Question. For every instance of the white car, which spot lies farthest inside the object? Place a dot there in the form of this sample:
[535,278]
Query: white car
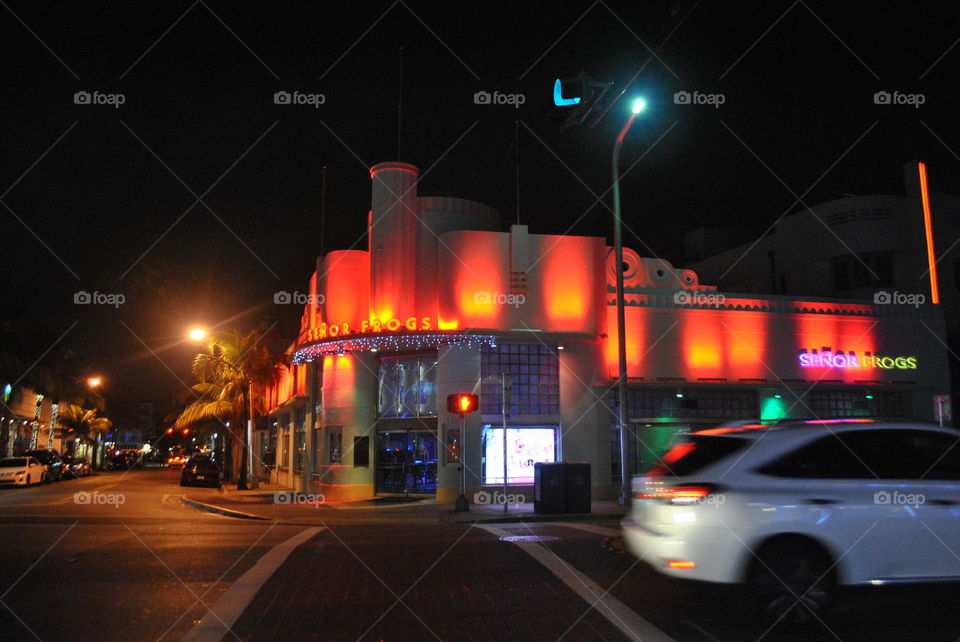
[795,509]
[21,471]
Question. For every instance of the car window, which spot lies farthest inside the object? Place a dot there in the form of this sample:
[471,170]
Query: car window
[825,458]
[696,453]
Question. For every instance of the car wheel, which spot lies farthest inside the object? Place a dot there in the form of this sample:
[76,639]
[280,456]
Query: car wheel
[791,583]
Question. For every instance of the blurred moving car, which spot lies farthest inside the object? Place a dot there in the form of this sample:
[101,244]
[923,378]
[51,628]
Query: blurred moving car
[50,459]
[200,470]
[795,509]
[21,471]
[176,460]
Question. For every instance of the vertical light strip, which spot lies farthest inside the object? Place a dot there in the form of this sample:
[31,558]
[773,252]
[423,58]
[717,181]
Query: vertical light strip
[928,226]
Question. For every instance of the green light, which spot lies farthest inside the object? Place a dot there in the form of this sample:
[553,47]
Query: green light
[772,409]
[869,396]
[777,397]
[638,105]
[679,395]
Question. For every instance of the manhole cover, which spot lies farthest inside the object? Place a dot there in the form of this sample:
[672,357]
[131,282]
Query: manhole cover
[529,538]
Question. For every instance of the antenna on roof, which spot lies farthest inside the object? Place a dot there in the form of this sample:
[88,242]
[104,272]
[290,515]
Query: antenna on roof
[516,143]
[400,104]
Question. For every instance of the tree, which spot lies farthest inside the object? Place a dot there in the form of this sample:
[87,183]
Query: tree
[233,365]
[86,424]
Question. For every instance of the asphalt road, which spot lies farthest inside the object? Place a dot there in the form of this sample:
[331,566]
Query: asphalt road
[128,561]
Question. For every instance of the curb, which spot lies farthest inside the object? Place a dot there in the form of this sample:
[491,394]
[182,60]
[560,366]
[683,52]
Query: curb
[226,512]
[517,519]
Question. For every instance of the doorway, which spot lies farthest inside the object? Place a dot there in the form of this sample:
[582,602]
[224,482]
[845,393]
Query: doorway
[407,462]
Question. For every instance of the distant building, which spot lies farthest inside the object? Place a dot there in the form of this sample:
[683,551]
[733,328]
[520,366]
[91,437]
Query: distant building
[442,301]
[17,422]
[870,247]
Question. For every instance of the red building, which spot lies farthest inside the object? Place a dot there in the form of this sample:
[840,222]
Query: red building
[443,302]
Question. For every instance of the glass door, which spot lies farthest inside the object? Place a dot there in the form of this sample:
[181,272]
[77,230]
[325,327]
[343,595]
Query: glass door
[407,462]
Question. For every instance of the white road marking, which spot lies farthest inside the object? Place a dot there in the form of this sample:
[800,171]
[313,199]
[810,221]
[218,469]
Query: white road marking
[232,603]
[618,613]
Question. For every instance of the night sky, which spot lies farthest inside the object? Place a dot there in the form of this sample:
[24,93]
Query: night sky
[109,194]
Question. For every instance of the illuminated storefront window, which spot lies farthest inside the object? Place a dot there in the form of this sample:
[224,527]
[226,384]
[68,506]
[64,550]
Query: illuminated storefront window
[526,445]
[408,386]
[535,378]
[299,438]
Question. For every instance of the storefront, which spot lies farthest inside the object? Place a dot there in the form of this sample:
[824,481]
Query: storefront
[442,302]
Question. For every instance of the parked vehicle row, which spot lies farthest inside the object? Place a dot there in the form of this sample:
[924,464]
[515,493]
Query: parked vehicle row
[41,466]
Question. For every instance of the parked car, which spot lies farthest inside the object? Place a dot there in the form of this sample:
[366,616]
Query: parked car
[21,471]
[82,466]
[796,509]
[200,470]
[176,460]
[51,459]
[73,467]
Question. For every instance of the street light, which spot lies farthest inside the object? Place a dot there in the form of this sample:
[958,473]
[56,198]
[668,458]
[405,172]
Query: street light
[197,334]
[93,382]
[639,104]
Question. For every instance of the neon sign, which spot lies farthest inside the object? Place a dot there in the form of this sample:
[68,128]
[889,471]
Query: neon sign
[333,330]
[558,98]
[827,358]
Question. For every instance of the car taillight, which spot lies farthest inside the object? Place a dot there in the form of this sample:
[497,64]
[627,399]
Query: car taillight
[685,494]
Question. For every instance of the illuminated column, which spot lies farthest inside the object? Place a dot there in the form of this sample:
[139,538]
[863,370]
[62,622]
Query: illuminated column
[393,240]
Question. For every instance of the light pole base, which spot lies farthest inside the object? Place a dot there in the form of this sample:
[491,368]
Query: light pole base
[462,505]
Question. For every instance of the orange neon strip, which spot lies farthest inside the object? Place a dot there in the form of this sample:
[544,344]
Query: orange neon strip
[928,225]
[681,564]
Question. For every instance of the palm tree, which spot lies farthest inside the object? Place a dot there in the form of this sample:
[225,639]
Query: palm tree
[227,372]
[87,425]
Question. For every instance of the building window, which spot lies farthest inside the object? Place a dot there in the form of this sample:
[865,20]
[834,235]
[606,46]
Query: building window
[299,438]
[361,452]
[408,386]
[853,403]
[692,403]
[534,371]
[318,406]
[526,445]
[334,444]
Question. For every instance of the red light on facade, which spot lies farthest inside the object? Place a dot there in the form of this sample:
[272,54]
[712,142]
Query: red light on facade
[928,227]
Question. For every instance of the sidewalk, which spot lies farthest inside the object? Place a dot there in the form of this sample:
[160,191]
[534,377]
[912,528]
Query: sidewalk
[276,503]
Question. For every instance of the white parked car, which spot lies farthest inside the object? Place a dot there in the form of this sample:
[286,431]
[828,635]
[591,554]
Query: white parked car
[21,471]
[795,509]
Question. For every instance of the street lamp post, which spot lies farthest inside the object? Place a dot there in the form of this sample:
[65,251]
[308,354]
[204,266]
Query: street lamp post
[638,106]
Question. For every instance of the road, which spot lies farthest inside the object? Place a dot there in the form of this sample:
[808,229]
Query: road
[131,562]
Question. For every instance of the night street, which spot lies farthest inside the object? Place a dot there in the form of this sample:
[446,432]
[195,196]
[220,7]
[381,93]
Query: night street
[150,560]
[409,320]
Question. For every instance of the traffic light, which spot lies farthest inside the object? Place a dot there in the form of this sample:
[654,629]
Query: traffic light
[169,431]
[186,431]
[583,97]
[462,404]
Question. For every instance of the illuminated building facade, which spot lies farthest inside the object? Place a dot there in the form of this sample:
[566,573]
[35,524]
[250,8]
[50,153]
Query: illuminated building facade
[443,302]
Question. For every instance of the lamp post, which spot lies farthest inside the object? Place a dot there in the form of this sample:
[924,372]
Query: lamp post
[638,106]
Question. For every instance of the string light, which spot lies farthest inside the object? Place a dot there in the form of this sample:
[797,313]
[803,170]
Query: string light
[391,343]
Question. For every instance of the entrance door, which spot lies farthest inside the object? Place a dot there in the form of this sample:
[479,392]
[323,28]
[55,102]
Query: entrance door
[407,462]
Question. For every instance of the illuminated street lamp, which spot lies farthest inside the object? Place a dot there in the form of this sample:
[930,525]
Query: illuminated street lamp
[93,382]
[638,106]
[197,334]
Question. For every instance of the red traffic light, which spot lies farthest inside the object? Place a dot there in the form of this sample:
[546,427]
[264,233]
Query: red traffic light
[186,431]
[169,431]
[462,404]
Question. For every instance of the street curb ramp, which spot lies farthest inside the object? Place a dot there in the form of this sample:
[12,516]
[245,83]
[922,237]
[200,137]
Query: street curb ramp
[226,512]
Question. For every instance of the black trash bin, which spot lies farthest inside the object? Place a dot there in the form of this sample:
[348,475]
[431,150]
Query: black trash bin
[577,484]
[549,488]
